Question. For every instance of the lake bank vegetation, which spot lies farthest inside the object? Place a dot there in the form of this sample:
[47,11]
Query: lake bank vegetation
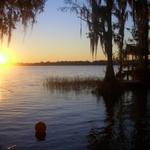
[122,30]
[71,83]
[109,22]
[94,85]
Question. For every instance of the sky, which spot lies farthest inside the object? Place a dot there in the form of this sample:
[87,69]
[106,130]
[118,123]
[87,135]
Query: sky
[55,37]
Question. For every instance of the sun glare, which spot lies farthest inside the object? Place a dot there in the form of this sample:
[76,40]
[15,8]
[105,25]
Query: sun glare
[6,57]
[3,59]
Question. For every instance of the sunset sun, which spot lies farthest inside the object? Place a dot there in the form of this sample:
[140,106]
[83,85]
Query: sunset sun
[7,57]
[3,59]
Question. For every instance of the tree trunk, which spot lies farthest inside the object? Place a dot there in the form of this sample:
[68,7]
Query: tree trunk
[142,24]
[121,46]
[145,33]
[110,75]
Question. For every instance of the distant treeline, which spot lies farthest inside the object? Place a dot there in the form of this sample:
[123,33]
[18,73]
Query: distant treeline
[75,63]
[63,63]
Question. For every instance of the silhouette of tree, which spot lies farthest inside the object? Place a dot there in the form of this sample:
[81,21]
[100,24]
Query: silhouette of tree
[140,12]
[98,16]
[18,11]
[121,14]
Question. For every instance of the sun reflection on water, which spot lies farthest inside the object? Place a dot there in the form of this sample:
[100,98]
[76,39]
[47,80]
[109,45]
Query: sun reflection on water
[0,96]
[6,72]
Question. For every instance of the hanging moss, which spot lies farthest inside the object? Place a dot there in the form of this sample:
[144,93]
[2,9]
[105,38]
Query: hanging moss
[13,12]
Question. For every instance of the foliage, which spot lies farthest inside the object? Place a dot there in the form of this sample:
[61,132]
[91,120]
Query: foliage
[106,21]
[98,16]
[95,15]
[18,11]
[140,32]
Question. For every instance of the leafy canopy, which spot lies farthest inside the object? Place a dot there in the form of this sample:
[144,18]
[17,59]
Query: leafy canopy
[18,11]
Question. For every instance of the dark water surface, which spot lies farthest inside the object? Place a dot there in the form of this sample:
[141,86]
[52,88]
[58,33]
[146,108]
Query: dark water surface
[75,121]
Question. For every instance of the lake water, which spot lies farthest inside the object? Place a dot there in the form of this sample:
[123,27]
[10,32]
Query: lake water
[75,121]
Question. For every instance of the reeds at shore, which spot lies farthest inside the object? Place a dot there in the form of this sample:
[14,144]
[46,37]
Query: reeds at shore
[71,83]
[94,84]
